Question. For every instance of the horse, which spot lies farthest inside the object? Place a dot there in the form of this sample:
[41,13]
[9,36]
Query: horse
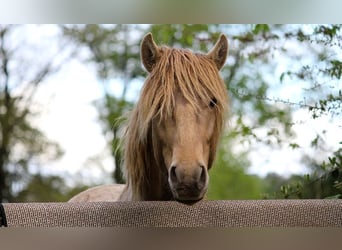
[173,131]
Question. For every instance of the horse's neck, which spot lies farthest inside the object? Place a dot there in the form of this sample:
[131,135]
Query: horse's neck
[154,186]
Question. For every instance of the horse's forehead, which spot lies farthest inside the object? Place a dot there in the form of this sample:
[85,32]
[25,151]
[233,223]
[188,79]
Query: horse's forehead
[179,98]
[182,103]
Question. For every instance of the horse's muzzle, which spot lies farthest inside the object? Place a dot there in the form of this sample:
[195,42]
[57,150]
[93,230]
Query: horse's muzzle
[188,184]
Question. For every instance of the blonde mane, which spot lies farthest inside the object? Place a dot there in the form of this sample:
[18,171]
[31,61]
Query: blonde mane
[177,71]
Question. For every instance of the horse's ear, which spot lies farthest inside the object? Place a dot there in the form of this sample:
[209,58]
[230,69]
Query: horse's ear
[149,52]
[220,51]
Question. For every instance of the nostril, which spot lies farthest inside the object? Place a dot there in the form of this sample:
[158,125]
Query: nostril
[173,175]
[203,173]
[203,176]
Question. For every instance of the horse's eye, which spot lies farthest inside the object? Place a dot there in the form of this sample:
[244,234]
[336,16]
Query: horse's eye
[213,102]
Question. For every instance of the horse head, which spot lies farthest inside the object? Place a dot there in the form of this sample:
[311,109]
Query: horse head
[183,100]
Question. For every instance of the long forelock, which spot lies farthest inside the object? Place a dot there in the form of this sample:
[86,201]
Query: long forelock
[194,76]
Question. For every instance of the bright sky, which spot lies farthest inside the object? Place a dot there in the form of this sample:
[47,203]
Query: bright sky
[70,119]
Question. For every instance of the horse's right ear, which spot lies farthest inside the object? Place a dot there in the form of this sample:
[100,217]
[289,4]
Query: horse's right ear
[149,52]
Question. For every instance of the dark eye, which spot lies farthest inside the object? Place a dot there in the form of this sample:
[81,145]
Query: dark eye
[213,102]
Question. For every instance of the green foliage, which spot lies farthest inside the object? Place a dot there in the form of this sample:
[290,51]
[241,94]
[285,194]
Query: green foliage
[47,189]
[335,70]
[21,143]
[111,112]
[260,28]
[116,55]
[228,177]
[232,183]
[196,37]
[112,48]
[325,182]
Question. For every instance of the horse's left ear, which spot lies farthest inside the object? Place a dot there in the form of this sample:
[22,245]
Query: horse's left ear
[149,52]
[220,51]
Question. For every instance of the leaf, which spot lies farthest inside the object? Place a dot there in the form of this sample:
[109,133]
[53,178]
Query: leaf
[307,177]
[294,145]
[260,28]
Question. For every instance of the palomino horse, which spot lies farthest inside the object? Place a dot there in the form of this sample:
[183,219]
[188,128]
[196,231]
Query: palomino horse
[173,131]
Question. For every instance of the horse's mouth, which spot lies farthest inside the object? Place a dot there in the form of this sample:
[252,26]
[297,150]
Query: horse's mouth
[189,201]
[188,195]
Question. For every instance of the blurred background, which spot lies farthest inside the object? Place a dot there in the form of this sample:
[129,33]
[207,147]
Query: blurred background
[64,90]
